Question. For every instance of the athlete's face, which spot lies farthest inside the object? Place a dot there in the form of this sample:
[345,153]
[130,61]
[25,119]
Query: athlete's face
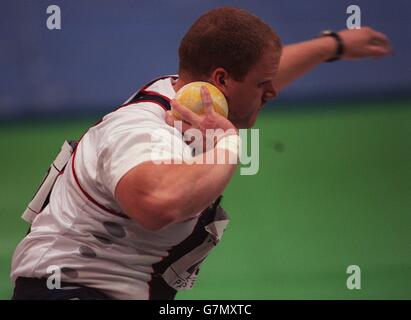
[247,97]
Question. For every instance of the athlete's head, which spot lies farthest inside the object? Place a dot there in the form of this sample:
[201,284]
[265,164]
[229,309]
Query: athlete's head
[237,52]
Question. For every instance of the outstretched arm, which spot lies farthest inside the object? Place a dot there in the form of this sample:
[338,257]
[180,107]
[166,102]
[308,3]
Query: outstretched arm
[299,58]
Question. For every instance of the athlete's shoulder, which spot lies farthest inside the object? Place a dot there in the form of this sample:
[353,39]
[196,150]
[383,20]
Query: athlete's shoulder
[151,100]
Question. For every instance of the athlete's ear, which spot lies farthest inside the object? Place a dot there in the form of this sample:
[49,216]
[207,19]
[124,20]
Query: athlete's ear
[220,79]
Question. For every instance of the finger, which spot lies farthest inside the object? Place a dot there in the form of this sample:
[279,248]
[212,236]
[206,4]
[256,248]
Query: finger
[207,100]
[181,125]
[378,51]
[185,113]
[380,39]
[169,118]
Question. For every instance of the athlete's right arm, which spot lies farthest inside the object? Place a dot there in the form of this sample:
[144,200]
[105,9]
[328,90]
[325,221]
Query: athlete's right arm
[157,195]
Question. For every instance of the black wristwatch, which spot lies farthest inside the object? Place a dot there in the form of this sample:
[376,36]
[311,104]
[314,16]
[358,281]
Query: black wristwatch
[340,45]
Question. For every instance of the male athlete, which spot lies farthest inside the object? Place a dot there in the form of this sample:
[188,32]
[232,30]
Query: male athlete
[119,225]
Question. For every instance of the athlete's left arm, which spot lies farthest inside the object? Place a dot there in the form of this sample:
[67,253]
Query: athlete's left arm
[299,58]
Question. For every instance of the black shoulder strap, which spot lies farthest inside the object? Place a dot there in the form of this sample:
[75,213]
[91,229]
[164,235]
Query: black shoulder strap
[144,95]
[141,96]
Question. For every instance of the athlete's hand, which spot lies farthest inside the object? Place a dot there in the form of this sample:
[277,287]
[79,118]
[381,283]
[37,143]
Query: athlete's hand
[209,120]
[365,42]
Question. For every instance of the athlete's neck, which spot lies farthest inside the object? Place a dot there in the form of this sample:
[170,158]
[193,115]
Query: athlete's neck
[178,84]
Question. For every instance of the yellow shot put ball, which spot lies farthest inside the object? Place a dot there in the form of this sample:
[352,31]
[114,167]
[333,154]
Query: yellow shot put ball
[189,96]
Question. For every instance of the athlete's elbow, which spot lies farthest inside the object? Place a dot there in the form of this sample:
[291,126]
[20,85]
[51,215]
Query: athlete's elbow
[152,222]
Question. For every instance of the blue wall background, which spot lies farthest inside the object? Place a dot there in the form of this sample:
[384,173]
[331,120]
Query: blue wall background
[108,48]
